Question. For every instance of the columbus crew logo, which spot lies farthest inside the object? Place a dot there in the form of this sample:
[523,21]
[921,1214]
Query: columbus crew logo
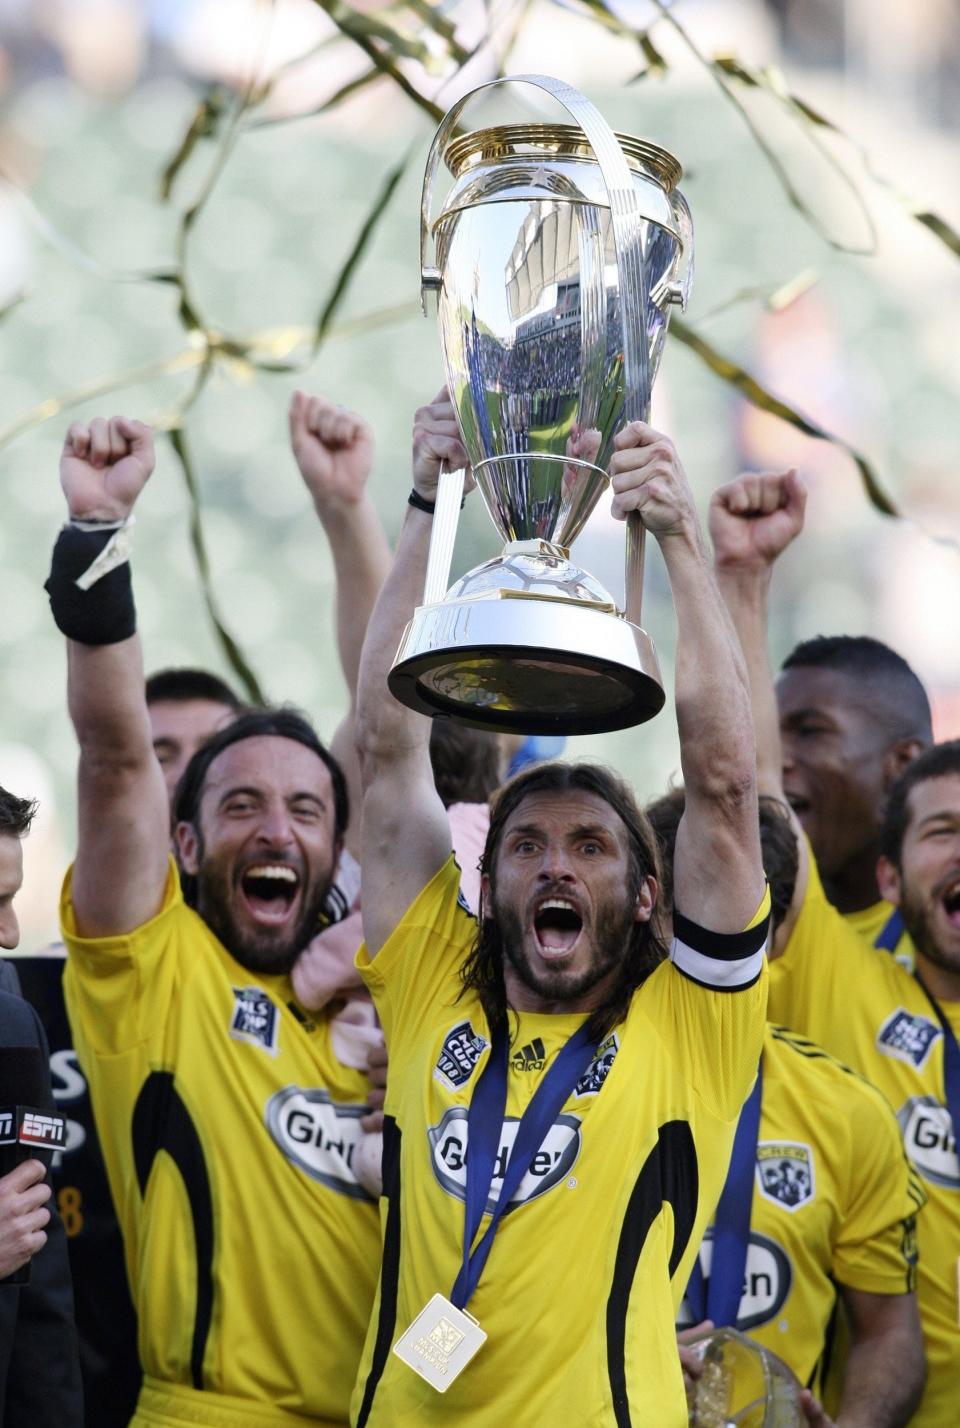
[599,1068]
[786,1173]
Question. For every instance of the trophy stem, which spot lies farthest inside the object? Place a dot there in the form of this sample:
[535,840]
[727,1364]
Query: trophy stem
[636,539]
[445,520]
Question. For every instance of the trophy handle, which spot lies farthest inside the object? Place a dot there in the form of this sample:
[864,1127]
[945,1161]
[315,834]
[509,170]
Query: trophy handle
[628,241]
[446,518]
[684,275]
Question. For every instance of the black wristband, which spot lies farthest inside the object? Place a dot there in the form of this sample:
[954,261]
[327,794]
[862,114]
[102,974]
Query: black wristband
[102,615]
[420,503]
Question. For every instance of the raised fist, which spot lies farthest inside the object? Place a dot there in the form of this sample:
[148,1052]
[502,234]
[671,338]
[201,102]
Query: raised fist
[105,466]
[333,448]
[754,518]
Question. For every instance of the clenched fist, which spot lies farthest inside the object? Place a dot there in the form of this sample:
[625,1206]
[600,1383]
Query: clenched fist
[333,449]
[104,466]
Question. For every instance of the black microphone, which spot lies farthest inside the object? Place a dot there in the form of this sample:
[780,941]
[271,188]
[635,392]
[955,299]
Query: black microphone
[30,1128]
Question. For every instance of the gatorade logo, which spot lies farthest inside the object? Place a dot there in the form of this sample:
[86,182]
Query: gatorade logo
[930,1141]
[550,1166]
[319,1136]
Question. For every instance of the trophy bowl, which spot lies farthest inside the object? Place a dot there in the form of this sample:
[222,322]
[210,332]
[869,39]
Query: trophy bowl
[742,1385]
[559,249]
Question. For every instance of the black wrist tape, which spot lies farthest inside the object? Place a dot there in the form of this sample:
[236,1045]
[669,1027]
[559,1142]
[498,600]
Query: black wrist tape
[420,503]
[102,615]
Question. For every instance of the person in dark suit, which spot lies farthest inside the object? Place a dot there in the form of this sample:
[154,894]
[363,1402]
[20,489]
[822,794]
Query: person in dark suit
[39,1360]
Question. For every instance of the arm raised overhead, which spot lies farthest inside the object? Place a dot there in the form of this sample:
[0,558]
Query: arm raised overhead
[124,828]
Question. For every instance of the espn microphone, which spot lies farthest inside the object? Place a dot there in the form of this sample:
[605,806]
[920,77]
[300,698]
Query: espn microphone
[30,1128]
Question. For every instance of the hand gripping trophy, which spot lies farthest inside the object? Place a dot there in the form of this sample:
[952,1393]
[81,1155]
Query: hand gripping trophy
[559,250]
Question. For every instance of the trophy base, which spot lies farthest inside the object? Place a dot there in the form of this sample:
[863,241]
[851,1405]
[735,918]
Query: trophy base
[527,666]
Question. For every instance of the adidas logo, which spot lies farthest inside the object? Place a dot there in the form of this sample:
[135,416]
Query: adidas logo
[530,1057]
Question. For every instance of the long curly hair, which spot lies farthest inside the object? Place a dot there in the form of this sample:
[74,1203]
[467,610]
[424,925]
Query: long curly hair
[482,971]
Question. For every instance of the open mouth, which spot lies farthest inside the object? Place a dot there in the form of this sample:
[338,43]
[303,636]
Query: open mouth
[557,925]
[798,803]
[270,891]
[951,903]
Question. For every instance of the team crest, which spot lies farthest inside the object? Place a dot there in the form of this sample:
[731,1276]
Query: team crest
[786,1173]
[907,1037]
[254,1018]
[461,1050]
[599,1068]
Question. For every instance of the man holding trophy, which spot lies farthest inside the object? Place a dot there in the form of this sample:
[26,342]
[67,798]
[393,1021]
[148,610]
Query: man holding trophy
[564,1091]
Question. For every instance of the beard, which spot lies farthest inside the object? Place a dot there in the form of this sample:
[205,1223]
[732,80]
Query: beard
[918,920]
[268,950]
[611,948]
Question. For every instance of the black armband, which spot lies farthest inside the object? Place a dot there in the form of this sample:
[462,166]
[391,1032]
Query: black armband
[104,613]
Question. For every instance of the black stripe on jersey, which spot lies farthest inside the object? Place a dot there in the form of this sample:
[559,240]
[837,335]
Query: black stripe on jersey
[669,1175]
[161,1121]
[821,1369]
[726,946]
[389,1268]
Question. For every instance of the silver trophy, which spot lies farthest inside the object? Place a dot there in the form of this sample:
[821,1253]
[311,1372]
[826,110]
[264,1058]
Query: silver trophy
[742,1385]
[559,250]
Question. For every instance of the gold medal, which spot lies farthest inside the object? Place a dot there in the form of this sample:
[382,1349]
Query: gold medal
[440,1343]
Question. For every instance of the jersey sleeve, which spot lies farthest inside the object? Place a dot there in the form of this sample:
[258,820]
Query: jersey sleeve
[418,968]
[876,1248]
[708,1007]
[119,988]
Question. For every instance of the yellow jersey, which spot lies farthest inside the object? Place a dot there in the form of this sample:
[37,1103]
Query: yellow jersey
[871,1014]
[882,926]
[228,1128]
[834,1203]
[583,1283]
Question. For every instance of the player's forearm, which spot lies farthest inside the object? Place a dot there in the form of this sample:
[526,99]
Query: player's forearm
[712,696]
[105,694]
[384,726]
[884,1377]
[361,561]
[745,594]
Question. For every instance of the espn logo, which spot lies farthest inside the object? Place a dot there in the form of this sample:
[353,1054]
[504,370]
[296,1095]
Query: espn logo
[28,1125]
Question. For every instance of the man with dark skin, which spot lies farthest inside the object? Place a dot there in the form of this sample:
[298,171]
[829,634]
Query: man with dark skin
[852,717]
[826,981]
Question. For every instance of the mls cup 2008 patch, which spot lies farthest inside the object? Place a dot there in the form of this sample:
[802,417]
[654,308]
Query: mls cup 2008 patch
[254,1018]
[461,1050]
[907,1037]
